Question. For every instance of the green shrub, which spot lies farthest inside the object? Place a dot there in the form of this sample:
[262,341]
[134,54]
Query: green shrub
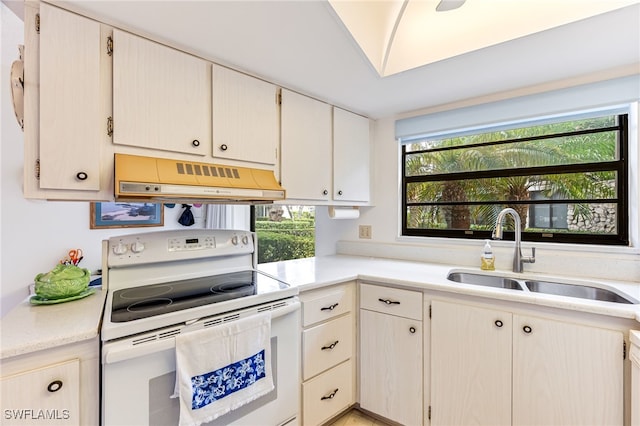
[284,244]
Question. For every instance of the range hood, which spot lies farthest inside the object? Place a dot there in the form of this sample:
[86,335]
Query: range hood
[140,178]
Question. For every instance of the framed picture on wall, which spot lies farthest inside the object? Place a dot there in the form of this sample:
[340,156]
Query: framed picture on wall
[126,215]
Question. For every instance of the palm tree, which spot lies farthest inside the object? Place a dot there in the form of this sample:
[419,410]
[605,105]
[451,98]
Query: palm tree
[540,152]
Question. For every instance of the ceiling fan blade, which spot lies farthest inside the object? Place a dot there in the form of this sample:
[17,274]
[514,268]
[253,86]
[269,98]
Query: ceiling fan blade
[445,5]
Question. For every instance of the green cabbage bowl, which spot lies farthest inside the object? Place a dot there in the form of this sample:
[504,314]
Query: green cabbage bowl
[61,282]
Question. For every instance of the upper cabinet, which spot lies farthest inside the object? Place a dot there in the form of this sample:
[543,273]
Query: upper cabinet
[161,97]
[350,157]
[325,152]
[67,98]
[91,90]
[306,147]
[245,117]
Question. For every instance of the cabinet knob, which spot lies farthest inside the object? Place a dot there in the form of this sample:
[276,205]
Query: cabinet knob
[330,396]
[526,329]
[329,308]
[331,346]
[223,147]
[340,192]
[195,143]
[412,330]
[498,323]
[389,302]
[325,192]
[55,386]
[81,176]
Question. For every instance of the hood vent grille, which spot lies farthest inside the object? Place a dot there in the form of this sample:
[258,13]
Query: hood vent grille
[206,170]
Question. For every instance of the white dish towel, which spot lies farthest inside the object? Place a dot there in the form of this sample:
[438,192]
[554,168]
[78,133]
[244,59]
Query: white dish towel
[221,368]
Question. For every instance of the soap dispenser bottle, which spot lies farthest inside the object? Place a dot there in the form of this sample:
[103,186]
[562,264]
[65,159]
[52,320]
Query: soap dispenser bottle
[487,261]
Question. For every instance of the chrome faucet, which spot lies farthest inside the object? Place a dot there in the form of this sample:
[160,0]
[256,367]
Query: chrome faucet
[518,259]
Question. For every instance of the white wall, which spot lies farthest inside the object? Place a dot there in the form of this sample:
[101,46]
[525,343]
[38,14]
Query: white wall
[35,235]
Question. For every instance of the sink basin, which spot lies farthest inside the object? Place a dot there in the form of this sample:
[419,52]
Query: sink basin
[581,291]
[485,280]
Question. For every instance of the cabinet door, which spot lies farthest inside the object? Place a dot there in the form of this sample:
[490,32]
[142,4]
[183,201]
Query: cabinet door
[161,97]
[306,147]
[245,117]
[50,395]
[470,365]
[350,157]
[566,374]
[72,123]
[391,366]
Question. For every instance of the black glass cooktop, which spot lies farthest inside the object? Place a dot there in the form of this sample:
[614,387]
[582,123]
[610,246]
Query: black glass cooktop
[156,299]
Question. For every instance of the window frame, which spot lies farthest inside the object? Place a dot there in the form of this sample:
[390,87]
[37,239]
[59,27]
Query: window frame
[620,166]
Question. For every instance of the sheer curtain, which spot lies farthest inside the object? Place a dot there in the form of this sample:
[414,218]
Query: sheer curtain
[223,216]
[216,216]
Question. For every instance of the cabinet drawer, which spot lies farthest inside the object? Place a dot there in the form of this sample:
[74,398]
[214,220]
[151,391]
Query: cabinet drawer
[395,301]
[326,345]
[325,304]
[51,393]
[328,394]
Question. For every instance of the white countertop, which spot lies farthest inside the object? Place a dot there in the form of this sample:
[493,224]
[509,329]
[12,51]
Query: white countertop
[28,328]
[316,272]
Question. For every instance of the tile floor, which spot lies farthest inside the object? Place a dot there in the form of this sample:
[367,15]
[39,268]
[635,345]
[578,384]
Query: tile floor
[356,418]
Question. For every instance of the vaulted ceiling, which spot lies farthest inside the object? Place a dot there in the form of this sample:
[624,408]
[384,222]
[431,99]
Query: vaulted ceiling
[305,46]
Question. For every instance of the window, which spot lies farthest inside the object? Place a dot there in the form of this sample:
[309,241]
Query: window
[567,180]
[284,232]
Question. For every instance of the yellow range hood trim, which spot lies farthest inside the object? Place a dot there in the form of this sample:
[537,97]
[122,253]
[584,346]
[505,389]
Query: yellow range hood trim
[162,179]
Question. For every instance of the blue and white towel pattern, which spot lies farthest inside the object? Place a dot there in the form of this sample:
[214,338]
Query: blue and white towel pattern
[217,384]
[221,368]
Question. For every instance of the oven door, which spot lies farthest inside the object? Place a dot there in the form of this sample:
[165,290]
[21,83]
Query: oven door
[138,377]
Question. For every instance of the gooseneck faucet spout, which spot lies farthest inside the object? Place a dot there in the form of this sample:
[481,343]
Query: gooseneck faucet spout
[518,259]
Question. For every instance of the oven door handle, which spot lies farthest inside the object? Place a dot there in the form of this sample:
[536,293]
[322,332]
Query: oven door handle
[124,350]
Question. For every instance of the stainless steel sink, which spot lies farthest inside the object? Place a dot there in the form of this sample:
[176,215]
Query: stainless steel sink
[485,280]
[580,291]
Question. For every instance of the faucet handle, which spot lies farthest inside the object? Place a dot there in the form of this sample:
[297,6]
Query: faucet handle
[532,258]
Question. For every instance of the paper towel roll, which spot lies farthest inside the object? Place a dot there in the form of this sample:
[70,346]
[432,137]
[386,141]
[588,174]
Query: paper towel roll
[344,212]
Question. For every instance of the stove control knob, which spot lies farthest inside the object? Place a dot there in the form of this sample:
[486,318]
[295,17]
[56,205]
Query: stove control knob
[119,249]
[137,247]
[234,240]
[245,240]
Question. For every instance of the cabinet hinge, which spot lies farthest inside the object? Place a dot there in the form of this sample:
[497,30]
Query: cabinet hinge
[38,23]
[624,349]
[278,98]
[429,311]
[37,169]
[429,415]
[109,45]
[109,126]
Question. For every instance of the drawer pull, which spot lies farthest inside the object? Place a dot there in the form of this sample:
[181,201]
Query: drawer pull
[330,396]
[412,330]
[498,323]
[331,346]
[389,302]
[55,386]
[526,329]
[330,308]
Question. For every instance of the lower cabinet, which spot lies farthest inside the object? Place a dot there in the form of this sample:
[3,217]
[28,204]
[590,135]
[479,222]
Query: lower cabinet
[58,386]
[328,394]
[328,352]
[49,395]
[391,362]
[504,368]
